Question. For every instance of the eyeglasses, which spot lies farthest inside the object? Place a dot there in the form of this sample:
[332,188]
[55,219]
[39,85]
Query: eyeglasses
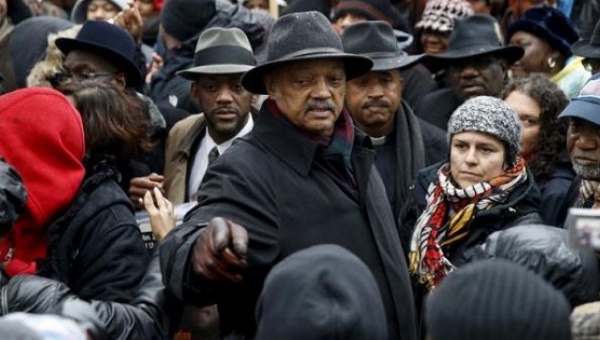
[591,64]
[479,64]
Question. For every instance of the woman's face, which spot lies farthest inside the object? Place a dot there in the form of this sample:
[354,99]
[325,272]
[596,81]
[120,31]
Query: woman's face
[434,42]
[535,59]
[529,112]
[475,157]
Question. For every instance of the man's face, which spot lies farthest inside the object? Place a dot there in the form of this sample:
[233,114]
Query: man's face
[477,76]
[309,93]
[346,20]
[373,100]
[82,65]
[101,10]
[225,104]
[583,145]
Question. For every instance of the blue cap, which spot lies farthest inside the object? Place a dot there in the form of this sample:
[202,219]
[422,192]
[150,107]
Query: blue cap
[587,103]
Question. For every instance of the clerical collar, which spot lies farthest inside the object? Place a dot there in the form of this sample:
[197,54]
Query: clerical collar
[377,141]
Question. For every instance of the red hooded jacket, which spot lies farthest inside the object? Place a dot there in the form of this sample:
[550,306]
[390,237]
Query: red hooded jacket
[41,135]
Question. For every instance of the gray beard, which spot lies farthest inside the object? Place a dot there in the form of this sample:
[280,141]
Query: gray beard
[589,172]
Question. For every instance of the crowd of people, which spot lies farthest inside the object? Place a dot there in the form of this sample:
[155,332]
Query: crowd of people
[353,169]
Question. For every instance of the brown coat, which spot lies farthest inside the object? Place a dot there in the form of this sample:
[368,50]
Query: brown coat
[178,152]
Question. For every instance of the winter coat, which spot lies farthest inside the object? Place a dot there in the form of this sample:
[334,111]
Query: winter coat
[546,251]
[437,107]
[521,207]
[167,88]
[554,190]
[279,185]
[96,247]
[152,313]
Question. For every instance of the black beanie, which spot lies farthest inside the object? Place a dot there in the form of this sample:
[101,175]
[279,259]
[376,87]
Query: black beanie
[372,10]
[183,19]
[496,300]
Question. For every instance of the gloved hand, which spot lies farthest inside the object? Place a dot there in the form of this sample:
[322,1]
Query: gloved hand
[220,251]
[12,196]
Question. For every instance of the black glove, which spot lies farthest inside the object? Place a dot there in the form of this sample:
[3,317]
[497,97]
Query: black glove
[12,196]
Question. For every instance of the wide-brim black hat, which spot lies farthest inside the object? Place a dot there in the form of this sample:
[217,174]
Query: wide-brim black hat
[109,42]
[588,48]
[377,41]
[473,36]
[303,36]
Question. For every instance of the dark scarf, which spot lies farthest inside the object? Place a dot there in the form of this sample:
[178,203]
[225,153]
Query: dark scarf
[410,150]
[340,142]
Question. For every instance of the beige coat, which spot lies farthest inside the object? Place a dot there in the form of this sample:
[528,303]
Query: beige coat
[178,151]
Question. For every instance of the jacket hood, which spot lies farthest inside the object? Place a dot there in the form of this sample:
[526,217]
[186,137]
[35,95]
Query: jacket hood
[42,138]
[544,250]
[322,292]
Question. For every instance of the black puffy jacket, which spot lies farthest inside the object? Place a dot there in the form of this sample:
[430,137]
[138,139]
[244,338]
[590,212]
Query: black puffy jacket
[152,314]
[545,250]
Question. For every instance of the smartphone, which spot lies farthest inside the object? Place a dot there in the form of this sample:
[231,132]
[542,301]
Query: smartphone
[584,228]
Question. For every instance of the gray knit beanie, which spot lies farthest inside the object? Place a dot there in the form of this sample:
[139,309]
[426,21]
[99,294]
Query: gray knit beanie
[496,300]
[488,115]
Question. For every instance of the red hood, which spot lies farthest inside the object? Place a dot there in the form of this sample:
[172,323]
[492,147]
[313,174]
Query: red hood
[41,135]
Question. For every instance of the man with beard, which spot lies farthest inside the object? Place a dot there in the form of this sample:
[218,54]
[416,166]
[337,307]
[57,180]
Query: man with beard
[583,144]
[404,143]
[476,63]
[222,56]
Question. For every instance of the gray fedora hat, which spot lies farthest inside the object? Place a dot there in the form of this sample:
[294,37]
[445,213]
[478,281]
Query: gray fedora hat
[589,48]
[303,36]
[221,51]
[376,40]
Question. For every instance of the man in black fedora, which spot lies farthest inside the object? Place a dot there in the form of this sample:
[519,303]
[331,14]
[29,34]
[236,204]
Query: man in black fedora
[589,49]
[404,143]
[303,177]
[476,64]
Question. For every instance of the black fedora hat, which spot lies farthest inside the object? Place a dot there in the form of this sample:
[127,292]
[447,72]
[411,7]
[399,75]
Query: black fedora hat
[376,40]
[588,48]
[109,42]
[473,36]
[303,36]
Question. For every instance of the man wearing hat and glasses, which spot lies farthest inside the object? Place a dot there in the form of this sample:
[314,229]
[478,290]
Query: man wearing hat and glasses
[589,49]
[404,143]
[222,56]
[304,176]
[476,63]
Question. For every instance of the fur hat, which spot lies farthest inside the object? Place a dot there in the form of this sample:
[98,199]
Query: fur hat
[489,115]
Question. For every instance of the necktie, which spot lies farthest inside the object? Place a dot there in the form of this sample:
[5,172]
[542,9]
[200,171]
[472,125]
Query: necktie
[213,155]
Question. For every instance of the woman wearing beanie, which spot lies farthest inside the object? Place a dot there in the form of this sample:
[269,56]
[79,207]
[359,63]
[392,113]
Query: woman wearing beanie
[546,35]
[484,186]
[538,101]
[437,22]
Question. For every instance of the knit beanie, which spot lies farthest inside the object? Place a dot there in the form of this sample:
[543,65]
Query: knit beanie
[440,15]
[496,300]
[183,19]
[372,10]
[321,292]
[488,115]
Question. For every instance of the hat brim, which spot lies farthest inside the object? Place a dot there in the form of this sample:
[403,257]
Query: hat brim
[586,109]
[131,70]
[437,62]
[583,48]
[402,62]
[192,73]
[354,65]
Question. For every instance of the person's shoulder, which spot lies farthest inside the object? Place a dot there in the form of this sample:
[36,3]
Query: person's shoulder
[186,123]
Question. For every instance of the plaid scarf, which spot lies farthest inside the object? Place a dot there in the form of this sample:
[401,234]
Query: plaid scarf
[434,231]
[340,142]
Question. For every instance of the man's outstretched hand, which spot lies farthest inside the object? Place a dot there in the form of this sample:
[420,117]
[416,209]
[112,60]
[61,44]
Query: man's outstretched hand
[220,251]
